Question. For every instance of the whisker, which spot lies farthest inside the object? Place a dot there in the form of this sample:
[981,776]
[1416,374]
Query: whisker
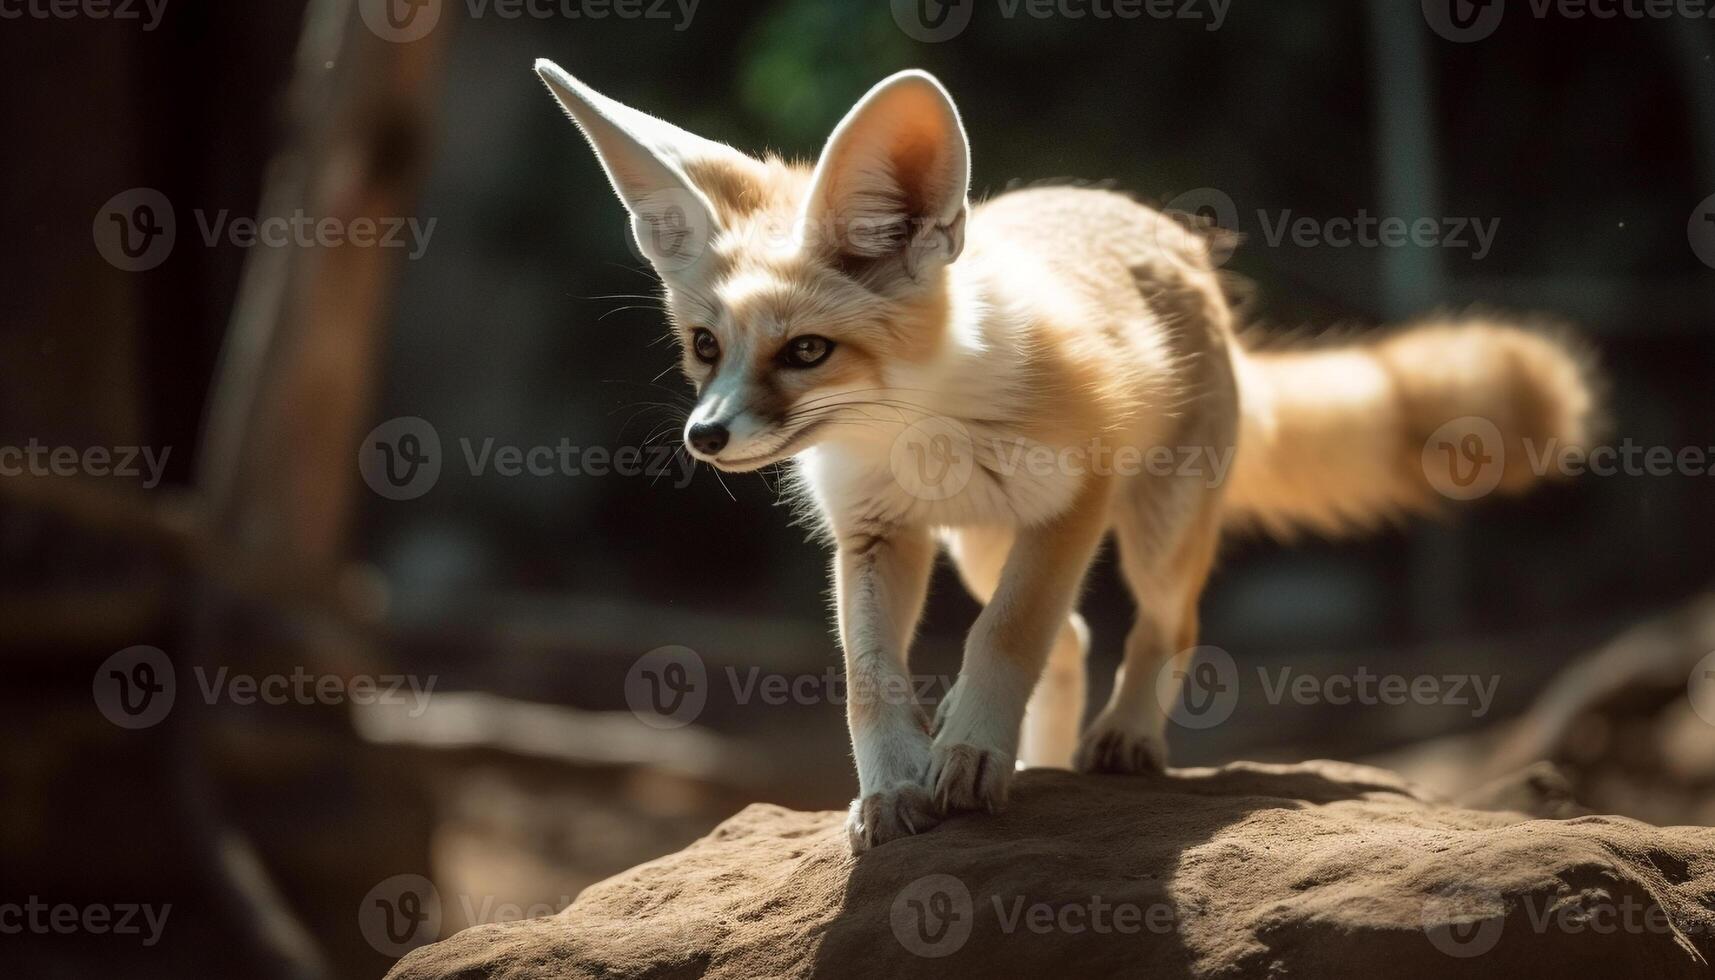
[716,471]
[621,309]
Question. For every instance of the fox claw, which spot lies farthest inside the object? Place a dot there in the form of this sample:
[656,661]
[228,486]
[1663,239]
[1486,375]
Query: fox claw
[966,777]
[889,815]
[1112,750]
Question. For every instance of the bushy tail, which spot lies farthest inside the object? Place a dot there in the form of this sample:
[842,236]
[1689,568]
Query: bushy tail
[1345,437]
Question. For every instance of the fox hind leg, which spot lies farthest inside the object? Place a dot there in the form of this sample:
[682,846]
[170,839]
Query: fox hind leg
[1056,707]
[1167,531]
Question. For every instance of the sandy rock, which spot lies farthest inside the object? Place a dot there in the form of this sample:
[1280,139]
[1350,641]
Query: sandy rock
[1316,870]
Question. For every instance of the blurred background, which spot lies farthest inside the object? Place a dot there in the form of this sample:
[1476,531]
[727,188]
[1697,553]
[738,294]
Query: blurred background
[319,715]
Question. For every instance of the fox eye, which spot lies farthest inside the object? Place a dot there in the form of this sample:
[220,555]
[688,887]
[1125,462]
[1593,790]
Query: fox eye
[806,351]
[705,346]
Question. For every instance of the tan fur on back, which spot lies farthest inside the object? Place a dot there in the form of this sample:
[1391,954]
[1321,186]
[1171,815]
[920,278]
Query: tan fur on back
[1331,437]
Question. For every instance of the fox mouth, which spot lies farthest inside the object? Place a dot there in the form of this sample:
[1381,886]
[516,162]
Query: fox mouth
[783,451]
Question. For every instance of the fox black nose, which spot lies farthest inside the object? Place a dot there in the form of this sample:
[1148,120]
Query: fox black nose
[708,438]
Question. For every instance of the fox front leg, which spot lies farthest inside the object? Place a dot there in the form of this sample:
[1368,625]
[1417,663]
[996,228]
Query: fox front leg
[881,576]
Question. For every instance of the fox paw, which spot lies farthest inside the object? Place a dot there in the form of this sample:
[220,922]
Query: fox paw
[1111,749]
[889,815]
[968,777]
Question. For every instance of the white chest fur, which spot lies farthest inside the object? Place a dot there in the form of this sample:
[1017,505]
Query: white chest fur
[941,471]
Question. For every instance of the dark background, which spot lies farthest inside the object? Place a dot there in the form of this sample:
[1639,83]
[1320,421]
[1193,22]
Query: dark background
[1591,141]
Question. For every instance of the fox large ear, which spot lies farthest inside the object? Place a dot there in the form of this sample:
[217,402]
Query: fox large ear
[893,177]
[646,160]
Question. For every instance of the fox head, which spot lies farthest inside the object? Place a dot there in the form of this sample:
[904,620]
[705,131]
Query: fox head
[790,288]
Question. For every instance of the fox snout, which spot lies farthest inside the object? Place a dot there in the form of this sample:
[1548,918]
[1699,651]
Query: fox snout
[726,429]
[709,430]
[707,438]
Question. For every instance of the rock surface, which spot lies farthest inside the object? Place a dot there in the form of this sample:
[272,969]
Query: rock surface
[1315,870]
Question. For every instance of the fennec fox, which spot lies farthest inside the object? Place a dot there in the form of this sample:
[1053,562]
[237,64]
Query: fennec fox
[1003,381]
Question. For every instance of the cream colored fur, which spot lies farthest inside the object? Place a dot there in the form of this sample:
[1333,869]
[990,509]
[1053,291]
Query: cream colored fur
[1069,325]
[1333,436]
